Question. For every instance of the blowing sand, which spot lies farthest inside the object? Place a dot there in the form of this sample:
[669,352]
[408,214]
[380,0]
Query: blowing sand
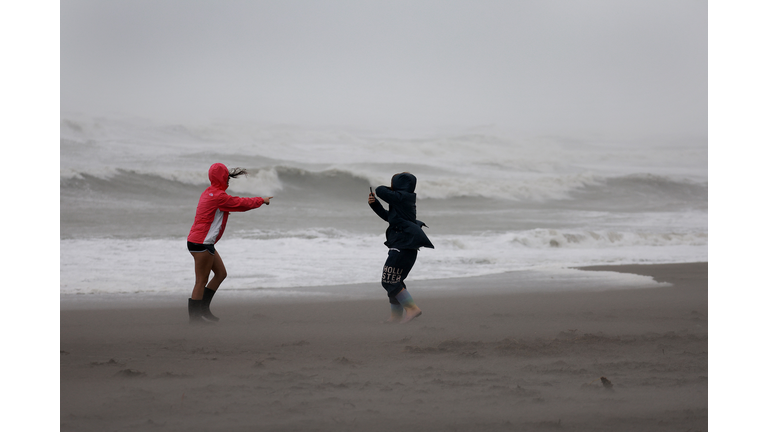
[524,361]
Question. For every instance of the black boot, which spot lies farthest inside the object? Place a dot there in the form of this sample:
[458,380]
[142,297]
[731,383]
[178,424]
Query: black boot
[196,312]
[206,307]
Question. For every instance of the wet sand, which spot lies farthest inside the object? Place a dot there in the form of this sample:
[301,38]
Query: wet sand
[490,361]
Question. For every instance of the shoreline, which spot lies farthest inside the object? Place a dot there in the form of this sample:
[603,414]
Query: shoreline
[490,360]
[568,279]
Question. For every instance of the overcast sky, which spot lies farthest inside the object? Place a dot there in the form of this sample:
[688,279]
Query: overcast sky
[551,66]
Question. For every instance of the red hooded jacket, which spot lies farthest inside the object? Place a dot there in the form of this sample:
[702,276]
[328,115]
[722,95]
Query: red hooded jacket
[215,205]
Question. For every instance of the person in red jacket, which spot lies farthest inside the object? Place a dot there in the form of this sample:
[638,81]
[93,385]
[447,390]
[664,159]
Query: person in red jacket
[210,220]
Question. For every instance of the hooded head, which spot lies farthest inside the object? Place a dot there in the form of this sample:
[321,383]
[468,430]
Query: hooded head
[218,174]
[404,182]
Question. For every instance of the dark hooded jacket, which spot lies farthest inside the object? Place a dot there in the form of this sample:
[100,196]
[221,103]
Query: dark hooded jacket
[404,231]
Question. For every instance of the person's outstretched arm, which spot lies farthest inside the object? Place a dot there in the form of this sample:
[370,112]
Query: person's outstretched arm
[236,204]
[386,194]
[377,207]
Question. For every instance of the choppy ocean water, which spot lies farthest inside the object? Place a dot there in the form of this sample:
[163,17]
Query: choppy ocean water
[494,202]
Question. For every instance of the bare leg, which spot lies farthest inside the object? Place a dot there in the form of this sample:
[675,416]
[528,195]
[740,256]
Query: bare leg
[411,310]
[203,265]
[219,273]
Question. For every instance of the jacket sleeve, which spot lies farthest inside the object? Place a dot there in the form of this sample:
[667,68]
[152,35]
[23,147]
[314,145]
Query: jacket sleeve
[231,203]
[379,210]
[386,194]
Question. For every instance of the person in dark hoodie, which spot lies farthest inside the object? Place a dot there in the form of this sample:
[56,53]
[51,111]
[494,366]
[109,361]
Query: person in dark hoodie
[404,238]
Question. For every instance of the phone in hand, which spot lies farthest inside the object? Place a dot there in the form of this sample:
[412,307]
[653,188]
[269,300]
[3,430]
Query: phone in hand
[371,188]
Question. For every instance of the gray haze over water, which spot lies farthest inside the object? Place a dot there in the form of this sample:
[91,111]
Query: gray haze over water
[545,135]
[620,68]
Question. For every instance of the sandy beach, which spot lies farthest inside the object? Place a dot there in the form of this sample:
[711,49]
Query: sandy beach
[472,362]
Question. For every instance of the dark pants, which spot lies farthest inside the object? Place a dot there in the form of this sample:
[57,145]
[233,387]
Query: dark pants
[399,264]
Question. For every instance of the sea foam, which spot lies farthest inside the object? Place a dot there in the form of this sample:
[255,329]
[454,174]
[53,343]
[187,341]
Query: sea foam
[494,203]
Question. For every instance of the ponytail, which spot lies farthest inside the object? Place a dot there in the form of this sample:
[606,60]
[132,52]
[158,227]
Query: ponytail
[236,172]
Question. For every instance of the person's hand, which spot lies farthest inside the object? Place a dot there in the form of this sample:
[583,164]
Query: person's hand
[266,200]
[371,198]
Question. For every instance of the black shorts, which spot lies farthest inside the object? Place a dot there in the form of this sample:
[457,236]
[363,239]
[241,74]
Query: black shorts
[197,247]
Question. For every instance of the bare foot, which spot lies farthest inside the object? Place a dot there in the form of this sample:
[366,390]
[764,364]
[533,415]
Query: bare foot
[410,314]
[393,319]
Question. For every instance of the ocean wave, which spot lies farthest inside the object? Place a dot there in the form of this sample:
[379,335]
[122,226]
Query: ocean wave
[643,192]
[540,238]
[588,190]
[557,238]
[329,162]
[280,259]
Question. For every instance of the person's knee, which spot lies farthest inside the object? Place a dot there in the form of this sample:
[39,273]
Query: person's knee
[221,274]
[392,289]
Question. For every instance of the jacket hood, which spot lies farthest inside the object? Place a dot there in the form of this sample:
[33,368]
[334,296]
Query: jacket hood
[218,174]
[404,182]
